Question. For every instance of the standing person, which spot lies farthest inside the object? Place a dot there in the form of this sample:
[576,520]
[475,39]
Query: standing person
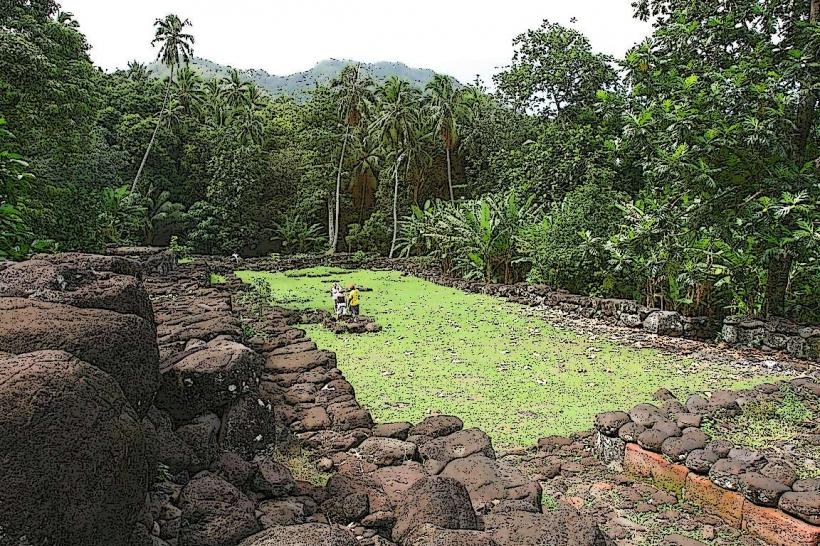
[338,299]
[353,300]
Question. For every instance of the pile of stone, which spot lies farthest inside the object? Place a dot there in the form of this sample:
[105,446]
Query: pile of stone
[129,416]
[338,324]
[673,430]
[79,368]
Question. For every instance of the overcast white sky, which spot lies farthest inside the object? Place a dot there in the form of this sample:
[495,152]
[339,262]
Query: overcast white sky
[457,37]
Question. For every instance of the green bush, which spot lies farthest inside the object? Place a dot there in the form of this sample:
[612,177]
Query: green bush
[298,236]
[372,236]
[559,248]
[181,251]
[474,239]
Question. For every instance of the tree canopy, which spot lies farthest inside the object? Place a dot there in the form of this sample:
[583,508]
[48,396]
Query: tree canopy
[685,174]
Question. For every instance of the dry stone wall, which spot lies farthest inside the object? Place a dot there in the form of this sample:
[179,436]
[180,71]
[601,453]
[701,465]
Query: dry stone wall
[758,490]
[179,430]
[206,426]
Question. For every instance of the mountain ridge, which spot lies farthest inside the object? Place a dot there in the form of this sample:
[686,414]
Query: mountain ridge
[299,83]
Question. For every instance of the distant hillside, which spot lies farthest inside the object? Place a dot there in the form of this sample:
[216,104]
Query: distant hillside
[296,84]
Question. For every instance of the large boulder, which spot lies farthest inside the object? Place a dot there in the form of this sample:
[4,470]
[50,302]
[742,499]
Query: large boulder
[75,465]
[442,502]
[272,479]
[386,451]
[122,345]
[609,422]
[281,512]
[208,378]
[664,323]
[488,480]
[205,325]
[760,489]
[561,527]
[201,434]
[95,262]
[68,284]
[437,425]
[171,450]
[437,453]
[249,425]
[804,505]
[214,513]
[396,480]
[308,534]
[233,468]
[350,497]
[398,430]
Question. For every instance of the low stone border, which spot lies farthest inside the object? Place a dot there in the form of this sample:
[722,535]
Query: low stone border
[345,324]
[740,486]
[770,524]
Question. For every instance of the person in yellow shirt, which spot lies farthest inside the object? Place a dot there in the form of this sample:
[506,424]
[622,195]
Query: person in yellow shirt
[353,300]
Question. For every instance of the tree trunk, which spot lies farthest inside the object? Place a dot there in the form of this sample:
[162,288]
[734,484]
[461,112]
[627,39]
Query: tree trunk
[395,211]
[777,282]
[330,222]
[335,240]
[450,176]
[361,205]
[156,129]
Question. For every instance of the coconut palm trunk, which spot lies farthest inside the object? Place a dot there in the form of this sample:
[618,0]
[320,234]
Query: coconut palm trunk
[329,221]
[335,242]
[156,130]
[395,210]
[450,175]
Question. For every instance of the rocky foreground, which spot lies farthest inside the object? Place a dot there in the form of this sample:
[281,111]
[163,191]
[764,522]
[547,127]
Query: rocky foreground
[134,410]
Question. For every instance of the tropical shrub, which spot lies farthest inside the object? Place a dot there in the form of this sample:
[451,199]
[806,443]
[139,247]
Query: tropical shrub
[372,236]
[558,247]
[475,239]
[297,236]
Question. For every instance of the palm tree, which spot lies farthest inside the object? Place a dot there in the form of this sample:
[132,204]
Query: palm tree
[66,18]
[235,88]
[448,108]
[176,46]
[188,89]
[251,127]
[160,209]
[364,174]
[216,111]
[254,97]
[396,129]
[353,94]
[137,71]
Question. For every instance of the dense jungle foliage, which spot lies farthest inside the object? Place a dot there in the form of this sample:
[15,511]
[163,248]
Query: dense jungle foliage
[685,175]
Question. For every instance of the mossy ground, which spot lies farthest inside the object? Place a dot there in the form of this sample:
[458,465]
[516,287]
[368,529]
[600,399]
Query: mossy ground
[497,365]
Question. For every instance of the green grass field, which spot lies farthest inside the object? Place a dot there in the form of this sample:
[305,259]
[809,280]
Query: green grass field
[497,365]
